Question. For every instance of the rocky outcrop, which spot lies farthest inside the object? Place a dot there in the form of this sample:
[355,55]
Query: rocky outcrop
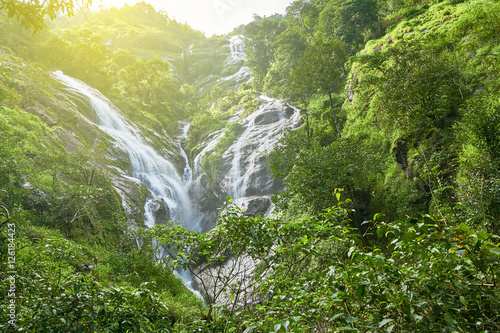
[160,210]
[257,206]
[244,174]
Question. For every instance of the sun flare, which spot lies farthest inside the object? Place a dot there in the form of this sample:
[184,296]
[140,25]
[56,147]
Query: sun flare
[212,17]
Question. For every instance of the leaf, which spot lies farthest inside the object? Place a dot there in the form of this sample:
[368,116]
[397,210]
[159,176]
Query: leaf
[495,250]
[351,319]
[277,327]
[483,235]
[351,250]
[463,227]
[449,318]
[249,329]
[445,188]
[361,291]
[349,329]
[385,321]
[336,316]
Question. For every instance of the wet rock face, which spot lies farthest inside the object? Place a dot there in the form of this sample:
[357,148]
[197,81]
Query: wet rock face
[244,174]
[267,118]
[205,201]
[160,210]
[258,206]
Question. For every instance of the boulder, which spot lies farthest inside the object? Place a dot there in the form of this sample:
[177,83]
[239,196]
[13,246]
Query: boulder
[257,206]
[160,210]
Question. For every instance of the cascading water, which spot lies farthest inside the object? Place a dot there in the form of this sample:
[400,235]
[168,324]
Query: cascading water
[159,175]
[237,48]
[187,175]
[236,56]
[263,129]
[244,174]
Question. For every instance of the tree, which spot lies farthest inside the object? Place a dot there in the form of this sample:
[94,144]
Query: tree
[31,14]
[312,172]
[353,22]
[260,46]
[222,261]
[320,70]
[419,86]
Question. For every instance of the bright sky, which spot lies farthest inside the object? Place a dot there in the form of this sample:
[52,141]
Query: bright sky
[210,16]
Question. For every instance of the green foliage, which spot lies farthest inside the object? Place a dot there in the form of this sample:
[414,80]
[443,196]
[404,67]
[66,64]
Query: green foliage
[418,86]
[408,127]
[354,22]
[479,163]
[212,163]
[65,217]
[317,273]
[59,293]
[119,56]
[260,48]
[31,15]
[312,172]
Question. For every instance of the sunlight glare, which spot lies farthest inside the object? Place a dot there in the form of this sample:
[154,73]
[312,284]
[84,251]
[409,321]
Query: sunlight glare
[213,17]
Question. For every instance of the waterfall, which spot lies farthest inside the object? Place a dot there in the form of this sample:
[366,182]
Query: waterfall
[237,48]
[244,174]
[262,130]
[181,196]
[187,174]
[236,56]
[155,172]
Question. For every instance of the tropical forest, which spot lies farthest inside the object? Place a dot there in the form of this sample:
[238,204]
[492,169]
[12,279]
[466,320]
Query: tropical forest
[331,168]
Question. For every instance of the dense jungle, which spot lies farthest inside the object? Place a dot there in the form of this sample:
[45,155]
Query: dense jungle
[332,169]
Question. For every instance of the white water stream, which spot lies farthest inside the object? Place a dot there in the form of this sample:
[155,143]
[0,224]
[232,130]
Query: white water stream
[262,130]
[152,169]
[237,48]
[247,175]
[236,56]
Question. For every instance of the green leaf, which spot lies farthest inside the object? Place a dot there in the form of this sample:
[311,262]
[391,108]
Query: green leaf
[463,227]
[349,329]
[445,188]
[483,235]
[449,318]
[361,291]
[495,250]
[351,319]
[385,321]
[336,316]
[249,329]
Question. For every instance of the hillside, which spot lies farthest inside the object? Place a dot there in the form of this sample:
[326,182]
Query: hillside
[359,141]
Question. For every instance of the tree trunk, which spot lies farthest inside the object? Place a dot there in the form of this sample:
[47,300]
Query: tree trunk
[335,117]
